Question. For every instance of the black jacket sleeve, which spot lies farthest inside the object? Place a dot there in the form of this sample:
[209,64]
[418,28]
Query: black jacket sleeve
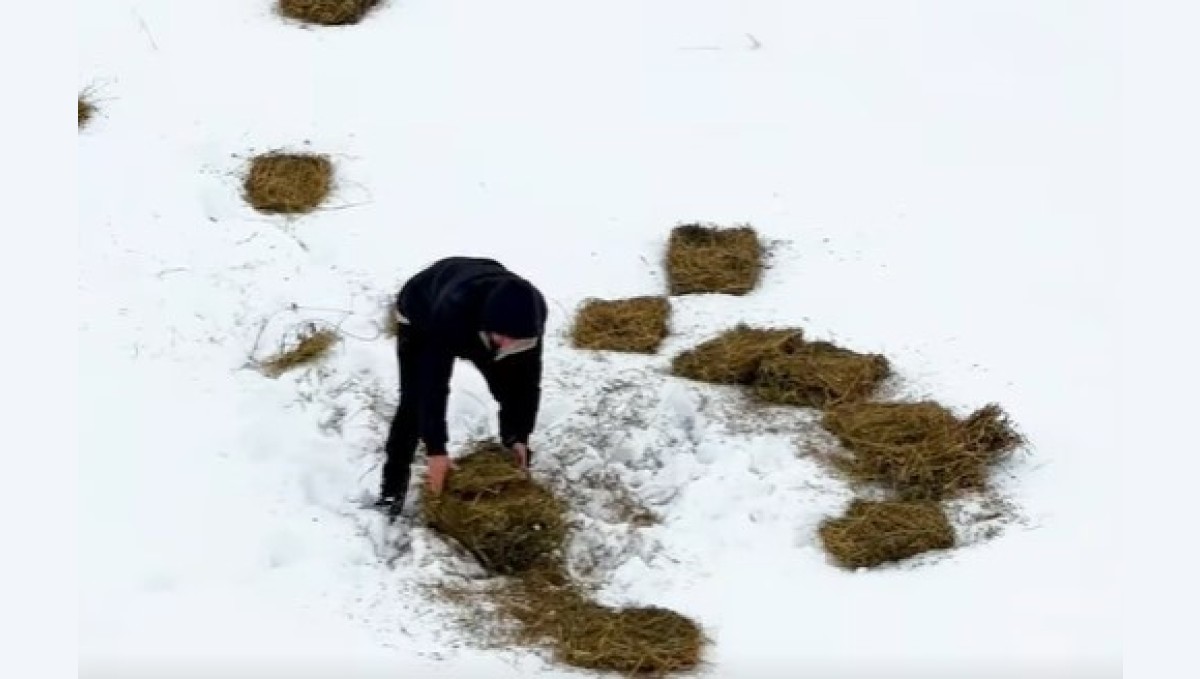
[434,368]
[516,383]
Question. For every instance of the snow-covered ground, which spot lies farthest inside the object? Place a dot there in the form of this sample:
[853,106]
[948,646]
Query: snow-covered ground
[932,178]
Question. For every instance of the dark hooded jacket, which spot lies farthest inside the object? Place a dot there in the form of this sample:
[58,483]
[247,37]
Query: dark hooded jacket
[445,311]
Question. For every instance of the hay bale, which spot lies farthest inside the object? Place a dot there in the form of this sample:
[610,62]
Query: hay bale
[641,640]
[707,259]
[311,344]
[495,511]
[326,12]
[873,533]
[636,324]
[86,110]
[818,375]
[551,611]
[288,183]
[735,355]
[920,449]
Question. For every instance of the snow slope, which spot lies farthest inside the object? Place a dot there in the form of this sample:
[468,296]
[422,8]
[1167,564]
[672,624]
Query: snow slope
[932,175]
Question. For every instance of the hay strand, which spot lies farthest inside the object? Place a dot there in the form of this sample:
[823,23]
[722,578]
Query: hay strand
[636,324]
[288,183]
[873,533]
[326,12]
[920,449]
[734,356]
[708,259]
[312,343]
[818,375]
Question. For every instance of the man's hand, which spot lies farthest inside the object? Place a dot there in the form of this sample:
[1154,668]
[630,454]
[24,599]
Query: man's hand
[439,468]
[521,455]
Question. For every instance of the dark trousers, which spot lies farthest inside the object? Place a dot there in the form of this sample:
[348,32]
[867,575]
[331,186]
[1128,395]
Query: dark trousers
[404,434]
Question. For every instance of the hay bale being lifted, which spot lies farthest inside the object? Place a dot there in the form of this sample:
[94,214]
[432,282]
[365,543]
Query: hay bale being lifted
[707,259]
[288,183]
[873,533]
[636,324]
[734,356]
[496,512]
[326,12]
[920,449]
[818,375]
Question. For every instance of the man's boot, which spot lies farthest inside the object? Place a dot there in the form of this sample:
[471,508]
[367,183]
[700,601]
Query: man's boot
[392,491]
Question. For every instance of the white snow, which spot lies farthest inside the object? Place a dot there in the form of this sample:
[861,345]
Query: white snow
[933,178]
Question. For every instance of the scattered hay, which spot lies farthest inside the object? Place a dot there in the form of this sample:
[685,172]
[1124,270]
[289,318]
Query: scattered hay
[496,512]
[86,110]
[288,183]
[516,527]
[872,533]
[326,12]
[706,259]
[637,324]
[920,449]
[819,375]
[553,612]
[990,429]
[311,345]
[734,356]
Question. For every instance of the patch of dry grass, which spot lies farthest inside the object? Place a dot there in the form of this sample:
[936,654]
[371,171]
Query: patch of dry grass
[920,450]
[288,183]
[326,12]
[636,324]
[708,259]
[310,345]
[873,533]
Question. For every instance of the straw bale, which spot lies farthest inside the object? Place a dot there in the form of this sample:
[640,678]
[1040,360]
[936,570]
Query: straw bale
[326,12]
[920,449]
[872,533]
[819,375]
[495,511]
[650,640]
[708,259]
[288,183]
[734,356]
[636,324]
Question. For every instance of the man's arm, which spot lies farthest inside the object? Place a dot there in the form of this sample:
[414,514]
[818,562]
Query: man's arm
[434,368]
